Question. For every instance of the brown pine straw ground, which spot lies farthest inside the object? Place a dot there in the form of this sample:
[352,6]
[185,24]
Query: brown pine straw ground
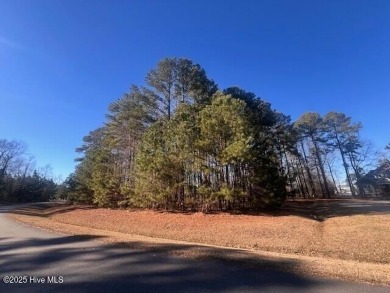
[315,238]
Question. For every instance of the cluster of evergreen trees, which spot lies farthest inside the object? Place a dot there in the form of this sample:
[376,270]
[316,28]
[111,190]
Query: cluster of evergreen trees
[19,181]
[318,139]
[180,142]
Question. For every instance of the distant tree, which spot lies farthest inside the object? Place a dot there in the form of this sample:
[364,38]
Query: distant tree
[11,153]
[61,191]
[18,181]
[341,133]
[74,188]
[310,125]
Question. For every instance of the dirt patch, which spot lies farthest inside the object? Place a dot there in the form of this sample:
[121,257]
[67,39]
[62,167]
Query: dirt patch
[351,247]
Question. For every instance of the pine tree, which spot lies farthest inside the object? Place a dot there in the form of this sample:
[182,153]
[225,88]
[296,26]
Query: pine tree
[342,133]
[310,125]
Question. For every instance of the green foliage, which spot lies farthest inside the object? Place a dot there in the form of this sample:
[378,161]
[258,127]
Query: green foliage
[199,157]
[225,130]
[321,136]
[179,143]
[178,80]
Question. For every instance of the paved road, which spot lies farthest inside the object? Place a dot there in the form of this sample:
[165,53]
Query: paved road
[367,206]
[82,264]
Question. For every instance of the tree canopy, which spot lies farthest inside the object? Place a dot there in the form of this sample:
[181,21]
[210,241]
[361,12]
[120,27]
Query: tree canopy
[178,142]
[20,180]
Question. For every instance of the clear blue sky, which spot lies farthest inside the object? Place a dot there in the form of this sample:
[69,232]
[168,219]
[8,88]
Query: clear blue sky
[63,61]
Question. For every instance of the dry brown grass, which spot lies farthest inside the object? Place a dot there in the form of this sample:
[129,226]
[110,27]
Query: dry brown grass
[354,247]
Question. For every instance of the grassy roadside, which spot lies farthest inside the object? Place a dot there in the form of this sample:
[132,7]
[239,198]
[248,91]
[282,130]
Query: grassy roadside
[350,247]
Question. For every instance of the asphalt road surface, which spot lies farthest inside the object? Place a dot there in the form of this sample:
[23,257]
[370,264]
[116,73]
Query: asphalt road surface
[46,262]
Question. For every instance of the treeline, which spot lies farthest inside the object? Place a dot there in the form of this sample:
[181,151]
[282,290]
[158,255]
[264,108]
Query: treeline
[181,143]
[19,179]
[324,146]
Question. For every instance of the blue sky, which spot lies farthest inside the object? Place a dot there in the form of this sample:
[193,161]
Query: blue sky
[63,62]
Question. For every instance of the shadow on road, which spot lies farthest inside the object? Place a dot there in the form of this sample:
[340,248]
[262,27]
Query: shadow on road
[8,244]
[88,265]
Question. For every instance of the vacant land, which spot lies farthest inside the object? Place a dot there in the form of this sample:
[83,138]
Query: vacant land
[354,233]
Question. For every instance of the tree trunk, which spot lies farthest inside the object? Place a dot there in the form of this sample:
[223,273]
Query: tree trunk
[331,175]
[321,166]
[308,170]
